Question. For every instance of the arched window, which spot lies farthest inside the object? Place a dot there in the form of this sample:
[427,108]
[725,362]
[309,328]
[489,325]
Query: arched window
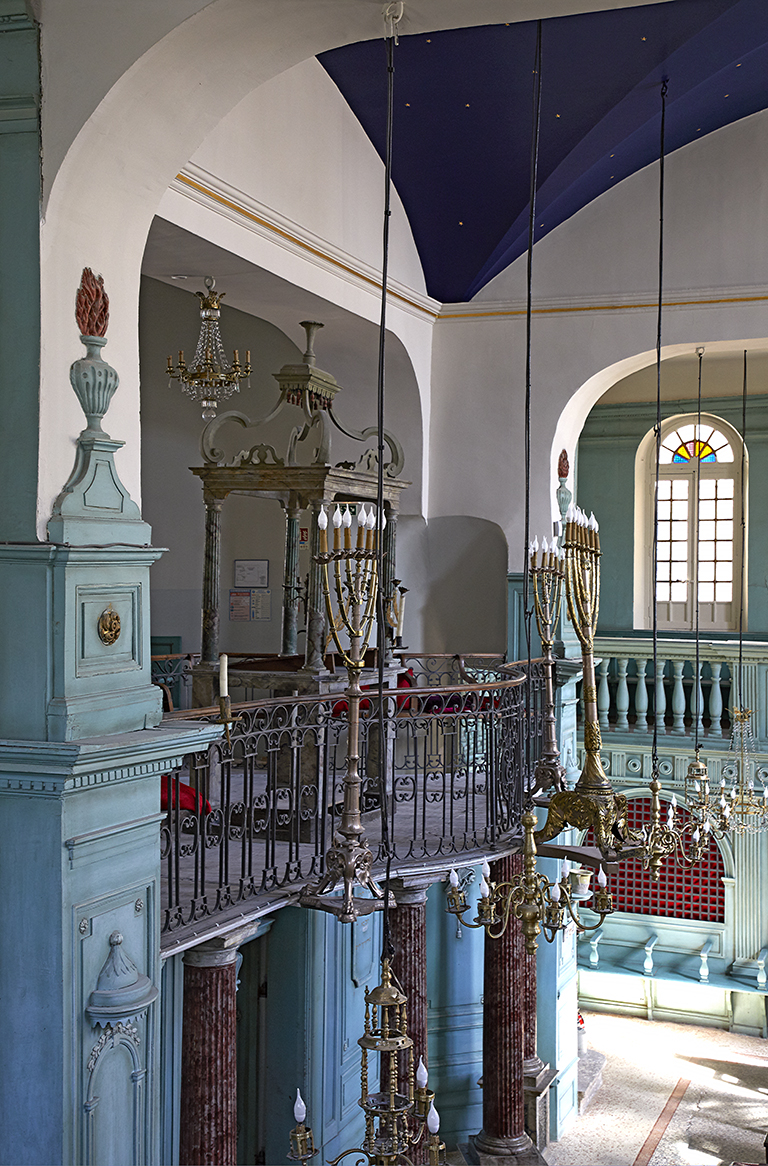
[699,542]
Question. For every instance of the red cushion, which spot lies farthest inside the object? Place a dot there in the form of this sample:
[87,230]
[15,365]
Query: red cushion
[187,799]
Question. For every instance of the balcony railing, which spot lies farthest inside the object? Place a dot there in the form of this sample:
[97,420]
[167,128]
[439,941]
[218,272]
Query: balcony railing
[630,695]
[172,672]
[250,823]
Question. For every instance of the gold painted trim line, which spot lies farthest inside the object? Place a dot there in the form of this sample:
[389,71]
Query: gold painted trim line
[297,242]
[574,309]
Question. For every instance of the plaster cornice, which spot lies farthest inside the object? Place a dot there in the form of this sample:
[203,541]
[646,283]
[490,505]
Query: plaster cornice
[56,767]
[212,192]
[684,298]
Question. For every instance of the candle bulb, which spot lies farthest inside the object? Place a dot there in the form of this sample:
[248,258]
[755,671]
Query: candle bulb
[337,528]
[347,524]
[433,1120]
[555,892]
[486,870]
[421,1074]
[453,879]
[299,1109]
[369,542]
[223,675]
[602,878]
[484,891]
[565,869]
[322,522]
[362,525]
[696,836]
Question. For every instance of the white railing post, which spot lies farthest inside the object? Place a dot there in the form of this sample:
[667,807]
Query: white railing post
[716,700]
[622,694]
[678,697]
[660,705]
[697,700]
[603,693]
[641,698]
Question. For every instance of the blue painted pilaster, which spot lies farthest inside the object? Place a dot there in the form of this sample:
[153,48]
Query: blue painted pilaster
[80,861]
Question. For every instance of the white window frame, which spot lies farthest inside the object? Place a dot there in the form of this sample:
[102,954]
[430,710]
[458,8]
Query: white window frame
[713,617]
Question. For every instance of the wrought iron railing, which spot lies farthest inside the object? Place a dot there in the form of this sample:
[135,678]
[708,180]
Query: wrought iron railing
[172,672]
[248,822]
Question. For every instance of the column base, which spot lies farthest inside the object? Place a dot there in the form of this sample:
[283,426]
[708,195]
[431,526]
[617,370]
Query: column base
[519,1151]
[537,1079]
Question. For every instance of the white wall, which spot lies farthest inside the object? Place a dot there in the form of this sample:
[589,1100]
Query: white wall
[595,321]
[130,93]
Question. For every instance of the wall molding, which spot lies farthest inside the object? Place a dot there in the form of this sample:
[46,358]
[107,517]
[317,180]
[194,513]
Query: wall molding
[680,299]
[213,193]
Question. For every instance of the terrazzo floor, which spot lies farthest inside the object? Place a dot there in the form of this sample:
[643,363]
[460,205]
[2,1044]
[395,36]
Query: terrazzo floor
[721,1115]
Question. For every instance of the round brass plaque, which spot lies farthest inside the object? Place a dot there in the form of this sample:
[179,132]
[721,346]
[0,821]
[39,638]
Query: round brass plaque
[109,626]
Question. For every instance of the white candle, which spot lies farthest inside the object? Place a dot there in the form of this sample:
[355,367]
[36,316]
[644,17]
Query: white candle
[484,892]
[453,879]
[486,869]
[554,892]
[223,675]
[601,878]
[299,1108]
[401,613]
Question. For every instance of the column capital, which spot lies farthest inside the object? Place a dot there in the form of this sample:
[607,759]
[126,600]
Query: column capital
[207,956]
[412,892]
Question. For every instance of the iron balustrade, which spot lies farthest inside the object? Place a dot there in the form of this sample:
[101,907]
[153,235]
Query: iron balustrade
[172,671]
[250,824]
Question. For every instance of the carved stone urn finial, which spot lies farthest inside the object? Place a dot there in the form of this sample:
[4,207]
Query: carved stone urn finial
[93,380]
[563,494]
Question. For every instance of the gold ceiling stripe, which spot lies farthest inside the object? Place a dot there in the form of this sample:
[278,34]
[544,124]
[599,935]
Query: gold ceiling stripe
[573,309]
[241,210]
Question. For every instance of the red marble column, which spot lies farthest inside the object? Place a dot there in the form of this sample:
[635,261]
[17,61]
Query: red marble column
[209,1058]
[408,928]
[503,1129]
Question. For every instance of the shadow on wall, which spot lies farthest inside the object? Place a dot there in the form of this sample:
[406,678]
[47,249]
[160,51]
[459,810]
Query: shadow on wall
[456,572]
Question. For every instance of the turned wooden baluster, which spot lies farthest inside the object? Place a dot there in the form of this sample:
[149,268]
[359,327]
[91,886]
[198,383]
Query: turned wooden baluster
[660,703]
[678,697]
[716,700]
[622,694]
[603,693]
[641,698]
[697,701]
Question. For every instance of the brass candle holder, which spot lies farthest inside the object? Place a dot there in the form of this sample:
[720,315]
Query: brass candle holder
[547,576]
[540,906]
[593,802]
[395,1121]
[355,586]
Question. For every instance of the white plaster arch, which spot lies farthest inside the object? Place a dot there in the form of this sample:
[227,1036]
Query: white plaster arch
[148,100]
[577,409]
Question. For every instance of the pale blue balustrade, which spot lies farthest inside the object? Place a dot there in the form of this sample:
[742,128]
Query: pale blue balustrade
[680,695]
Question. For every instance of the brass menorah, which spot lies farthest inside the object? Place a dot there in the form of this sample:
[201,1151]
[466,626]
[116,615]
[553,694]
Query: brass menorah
[547,576]
[592,802]
[355,587]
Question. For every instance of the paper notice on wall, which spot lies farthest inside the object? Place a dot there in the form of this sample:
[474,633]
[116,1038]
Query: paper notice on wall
[240,606]
[261,603]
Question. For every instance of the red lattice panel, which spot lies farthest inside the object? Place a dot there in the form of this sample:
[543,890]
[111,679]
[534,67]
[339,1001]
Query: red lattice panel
[682,892]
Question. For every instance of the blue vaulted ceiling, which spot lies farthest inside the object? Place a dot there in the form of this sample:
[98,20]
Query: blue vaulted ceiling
[463,117]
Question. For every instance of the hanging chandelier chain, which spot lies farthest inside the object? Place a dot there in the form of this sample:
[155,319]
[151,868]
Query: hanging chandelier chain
[527,608]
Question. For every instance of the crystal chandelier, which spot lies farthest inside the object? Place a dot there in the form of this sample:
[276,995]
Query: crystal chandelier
[211,378]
